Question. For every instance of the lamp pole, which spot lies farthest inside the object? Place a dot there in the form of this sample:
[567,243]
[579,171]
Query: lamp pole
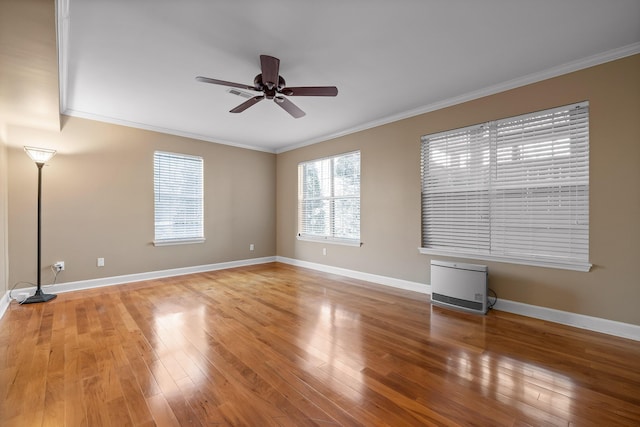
[39,296]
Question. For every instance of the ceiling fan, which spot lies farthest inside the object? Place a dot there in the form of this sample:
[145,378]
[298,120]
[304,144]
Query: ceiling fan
[273,86]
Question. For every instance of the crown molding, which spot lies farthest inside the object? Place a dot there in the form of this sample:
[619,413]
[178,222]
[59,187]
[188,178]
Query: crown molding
[159,129]
[62,26]
[569,67]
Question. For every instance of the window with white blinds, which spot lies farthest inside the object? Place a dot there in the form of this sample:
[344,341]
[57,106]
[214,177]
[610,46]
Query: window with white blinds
[329,199]
[512,190]
[178,190]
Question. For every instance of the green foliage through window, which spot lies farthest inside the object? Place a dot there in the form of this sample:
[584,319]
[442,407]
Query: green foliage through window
[329,198]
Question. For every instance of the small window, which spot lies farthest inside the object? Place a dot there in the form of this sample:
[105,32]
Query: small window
[329,199]
[178,190]
[512,190]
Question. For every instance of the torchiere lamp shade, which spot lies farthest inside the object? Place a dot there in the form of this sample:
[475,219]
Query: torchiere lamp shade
[40,155]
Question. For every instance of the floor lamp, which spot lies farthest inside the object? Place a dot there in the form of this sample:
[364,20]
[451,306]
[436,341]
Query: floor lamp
[40,156]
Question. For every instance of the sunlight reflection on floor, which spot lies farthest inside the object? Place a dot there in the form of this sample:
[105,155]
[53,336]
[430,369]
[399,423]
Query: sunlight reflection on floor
[335,341]
[510,379]
[177,333]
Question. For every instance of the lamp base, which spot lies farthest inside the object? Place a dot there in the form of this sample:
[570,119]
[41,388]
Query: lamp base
[39,296]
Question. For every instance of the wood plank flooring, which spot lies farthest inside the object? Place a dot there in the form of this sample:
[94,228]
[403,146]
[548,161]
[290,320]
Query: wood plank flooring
[276,345]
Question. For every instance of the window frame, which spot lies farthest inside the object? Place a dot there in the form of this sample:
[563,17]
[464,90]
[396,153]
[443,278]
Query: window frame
[331,236]
[493,187]
[197,232]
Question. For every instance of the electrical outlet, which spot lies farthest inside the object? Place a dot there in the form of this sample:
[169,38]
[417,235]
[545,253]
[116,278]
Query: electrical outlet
[58,266]
[324,251]
[100,262]
[251,247]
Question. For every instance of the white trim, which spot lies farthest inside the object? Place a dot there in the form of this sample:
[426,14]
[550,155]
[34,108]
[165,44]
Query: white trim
[160,129]
[374,278]
[118,280]
[595,324]
[4,303]
[574,266]
[329,240]
[569,67]
[62,33]
[137,277]
[172,242]
[4,221]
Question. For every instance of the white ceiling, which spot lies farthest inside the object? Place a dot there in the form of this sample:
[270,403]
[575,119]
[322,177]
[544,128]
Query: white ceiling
[135,62]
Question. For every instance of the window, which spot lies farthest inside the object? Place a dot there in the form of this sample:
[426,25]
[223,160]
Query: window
[178,198]
[512,190]
[329,199]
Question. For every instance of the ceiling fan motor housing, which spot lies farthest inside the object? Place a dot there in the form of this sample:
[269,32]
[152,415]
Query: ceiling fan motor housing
[269,92]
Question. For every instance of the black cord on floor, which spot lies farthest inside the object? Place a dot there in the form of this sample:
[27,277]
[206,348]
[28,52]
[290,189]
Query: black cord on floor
[495,299]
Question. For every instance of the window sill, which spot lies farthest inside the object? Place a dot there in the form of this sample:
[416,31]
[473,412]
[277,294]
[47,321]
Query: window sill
[584,267]
[171,242]
[331,241]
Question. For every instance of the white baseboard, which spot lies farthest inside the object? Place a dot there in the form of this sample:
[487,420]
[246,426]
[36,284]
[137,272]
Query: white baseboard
[138,277]
[368,277]
[4,304]
[129,278]
[595,324]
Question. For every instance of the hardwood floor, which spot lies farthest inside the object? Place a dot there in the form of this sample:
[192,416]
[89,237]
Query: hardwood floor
[276,345]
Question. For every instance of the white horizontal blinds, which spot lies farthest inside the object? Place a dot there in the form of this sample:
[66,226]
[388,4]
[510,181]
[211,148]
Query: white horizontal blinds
[455,190]
[314,198]
[540,203]
[178,189]
[329,198]
[346,196]
[516,188]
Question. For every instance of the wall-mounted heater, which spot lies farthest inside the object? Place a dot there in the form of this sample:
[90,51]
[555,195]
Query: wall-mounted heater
[458,285]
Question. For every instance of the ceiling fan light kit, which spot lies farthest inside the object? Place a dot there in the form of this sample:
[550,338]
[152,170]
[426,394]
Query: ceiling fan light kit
[273,86]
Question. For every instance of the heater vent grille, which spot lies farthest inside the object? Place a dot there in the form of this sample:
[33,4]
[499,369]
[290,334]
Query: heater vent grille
[458,285]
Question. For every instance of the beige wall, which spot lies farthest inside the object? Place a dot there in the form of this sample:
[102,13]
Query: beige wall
[98,202]
[390,195]
[28,64]
[28,86]
[98,190]
[3,218]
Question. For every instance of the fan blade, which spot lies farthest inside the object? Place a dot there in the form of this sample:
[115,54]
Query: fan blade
[289,107]
[223,83]
[240,108]
[310,91]
[270,70]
